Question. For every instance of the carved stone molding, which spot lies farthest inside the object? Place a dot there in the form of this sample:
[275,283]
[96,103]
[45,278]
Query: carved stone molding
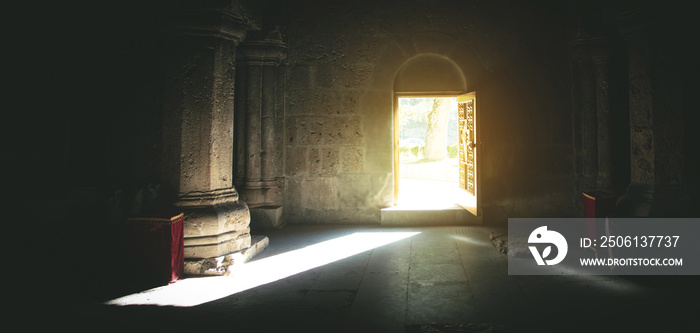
[197,199]
[263,53]
[216,23]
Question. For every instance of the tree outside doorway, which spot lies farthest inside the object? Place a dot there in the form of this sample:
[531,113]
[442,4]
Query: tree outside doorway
[428,138]
[428,151]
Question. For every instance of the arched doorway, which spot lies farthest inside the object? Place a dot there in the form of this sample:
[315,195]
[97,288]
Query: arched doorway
[447,63]
[429,182]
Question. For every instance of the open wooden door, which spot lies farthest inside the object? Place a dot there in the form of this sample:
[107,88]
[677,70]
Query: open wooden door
[396,149]
[469,151]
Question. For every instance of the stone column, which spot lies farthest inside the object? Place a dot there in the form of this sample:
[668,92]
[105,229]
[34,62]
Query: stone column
[585,123]
[199,59]
[592,97]
[601,59]
[267,154]
[658,173]
[257,114]
[253,138]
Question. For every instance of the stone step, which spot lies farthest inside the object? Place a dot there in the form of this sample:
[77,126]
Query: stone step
[407,216]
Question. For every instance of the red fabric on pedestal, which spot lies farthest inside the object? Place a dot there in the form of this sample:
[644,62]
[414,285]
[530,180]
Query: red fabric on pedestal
[156,245]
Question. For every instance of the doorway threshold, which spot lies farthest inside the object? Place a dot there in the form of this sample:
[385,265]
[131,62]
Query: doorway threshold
[427,202]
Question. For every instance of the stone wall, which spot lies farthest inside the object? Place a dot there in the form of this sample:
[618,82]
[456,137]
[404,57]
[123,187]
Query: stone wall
[343,59]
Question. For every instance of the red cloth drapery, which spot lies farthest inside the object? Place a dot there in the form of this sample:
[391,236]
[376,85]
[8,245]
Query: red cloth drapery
[157,248]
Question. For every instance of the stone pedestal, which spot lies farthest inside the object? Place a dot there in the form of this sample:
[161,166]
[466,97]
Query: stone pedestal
[258,111]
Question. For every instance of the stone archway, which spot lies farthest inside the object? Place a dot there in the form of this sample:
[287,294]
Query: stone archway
[427,73]
[423,75]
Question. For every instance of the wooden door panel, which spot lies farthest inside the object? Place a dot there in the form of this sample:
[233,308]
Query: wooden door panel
[468,152]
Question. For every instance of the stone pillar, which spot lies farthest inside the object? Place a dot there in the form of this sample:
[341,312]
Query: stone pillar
[253,138]
[657,163]
[267,155]
[198,103]
[601,59]
[594,136]
[258,112]
[585,123]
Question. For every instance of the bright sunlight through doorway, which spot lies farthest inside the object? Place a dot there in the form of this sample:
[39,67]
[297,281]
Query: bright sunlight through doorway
[428,152]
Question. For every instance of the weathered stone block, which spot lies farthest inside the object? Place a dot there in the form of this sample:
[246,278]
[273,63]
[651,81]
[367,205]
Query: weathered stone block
[351,159]
[314,160]
[303,128]
[300,77]
[296,100]
[293,192]
[296,160]
[389,61]
[363,49]
[310,198]
[290,132]
[348,102]
[353,190]
[352,76]
[375,122]
[328,193]
[319,193]
[330,163]
[352,131]
[325,76]
[312,102]
[332,131]
[316,128]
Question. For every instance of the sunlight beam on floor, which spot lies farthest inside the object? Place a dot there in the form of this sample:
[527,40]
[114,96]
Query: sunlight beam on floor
[472,240]
[196,291]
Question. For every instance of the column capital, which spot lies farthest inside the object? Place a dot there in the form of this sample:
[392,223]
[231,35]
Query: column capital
[657,200]
[262,52]
[216,23]
[633,22]
[596,48]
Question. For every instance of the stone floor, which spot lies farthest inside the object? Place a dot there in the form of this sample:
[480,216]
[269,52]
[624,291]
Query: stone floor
[373,279]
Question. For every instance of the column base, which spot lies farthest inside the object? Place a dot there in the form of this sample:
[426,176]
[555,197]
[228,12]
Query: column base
[216,223]
[266,205]
[263,194]
[223,265]
[655,201]
[196,247]
[271,217]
